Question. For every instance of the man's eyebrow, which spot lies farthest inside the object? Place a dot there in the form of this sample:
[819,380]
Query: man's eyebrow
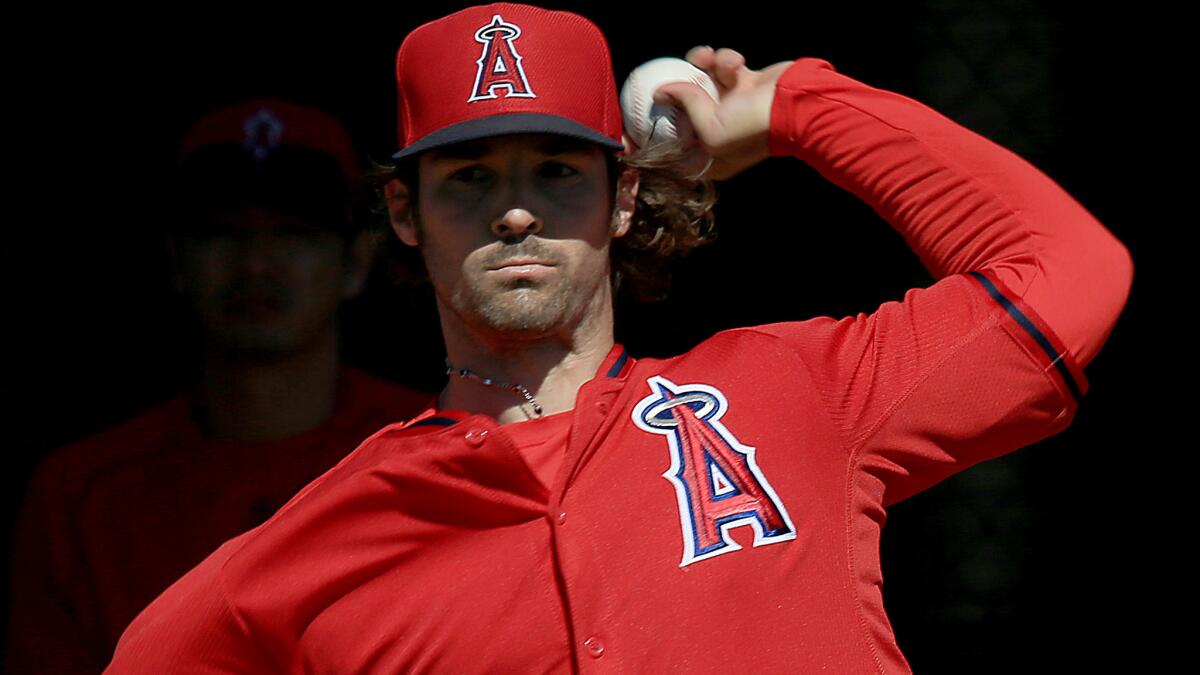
[552,145]
[561,145]
[463,150]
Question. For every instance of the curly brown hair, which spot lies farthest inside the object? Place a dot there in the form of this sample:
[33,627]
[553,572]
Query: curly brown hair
[673,216]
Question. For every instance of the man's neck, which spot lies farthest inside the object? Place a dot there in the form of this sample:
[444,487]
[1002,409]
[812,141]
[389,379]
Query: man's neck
[551,369]
[262,398]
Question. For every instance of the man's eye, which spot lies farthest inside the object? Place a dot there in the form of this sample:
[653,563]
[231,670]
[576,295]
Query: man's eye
[558,170]
[470,174]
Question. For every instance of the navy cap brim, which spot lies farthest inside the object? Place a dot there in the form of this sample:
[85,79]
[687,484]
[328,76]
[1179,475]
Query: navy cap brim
[500,125]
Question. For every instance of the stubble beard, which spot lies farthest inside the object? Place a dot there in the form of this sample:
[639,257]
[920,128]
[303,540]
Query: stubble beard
[521,309]
[529,309]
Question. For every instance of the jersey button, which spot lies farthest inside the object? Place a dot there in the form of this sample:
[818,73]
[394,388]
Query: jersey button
[602,406]
[475,437]
[595,648]
[562,518]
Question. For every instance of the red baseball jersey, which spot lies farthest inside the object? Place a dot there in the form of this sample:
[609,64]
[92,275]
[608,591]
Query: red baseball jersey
[724,505]
[111,521]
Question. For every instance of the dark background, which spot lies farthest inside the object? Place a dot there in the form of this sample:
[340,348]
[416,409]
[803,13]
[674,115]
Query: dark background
[1047,557]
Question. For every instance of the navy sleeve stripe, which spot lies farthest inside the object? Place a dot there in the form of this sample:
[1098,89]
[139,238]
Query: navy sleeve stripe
[439,421]
[619,364]
[1033,331]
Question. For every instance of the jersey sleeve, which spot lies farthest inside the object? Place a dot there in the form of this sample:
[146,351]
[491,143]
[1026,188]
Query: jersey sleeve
[191,628]
[1029,284]
[960,201]
[951,375]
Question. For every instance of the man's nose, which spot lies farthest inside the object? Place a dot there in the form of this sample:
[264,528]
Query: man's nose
[516,222]
[257,252]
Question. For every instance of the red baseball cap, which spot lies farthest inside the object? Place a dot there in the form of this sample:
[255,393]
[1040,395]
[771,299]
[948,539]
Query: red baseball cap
[262,126]
[505,68]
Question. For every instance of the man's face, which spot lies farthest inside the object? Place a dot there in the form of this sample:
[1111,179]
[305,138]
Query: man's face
[262,282]
[515,231]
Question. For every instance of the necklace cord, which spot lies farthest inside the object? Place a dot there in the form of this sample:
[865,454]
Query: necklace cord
[468,374]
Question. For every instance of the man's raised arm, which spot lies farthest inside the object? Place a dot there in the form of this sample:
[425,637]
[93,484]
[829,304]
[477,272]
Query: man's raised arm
[961,202]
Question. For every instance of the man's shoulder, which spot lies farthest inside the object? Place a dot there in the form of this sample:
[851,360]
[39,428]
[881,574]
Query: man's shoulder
[953,298]
[65,478]
[740,341]
[318,523]
[189,621]
[369,396]
[161,427]
[385,446]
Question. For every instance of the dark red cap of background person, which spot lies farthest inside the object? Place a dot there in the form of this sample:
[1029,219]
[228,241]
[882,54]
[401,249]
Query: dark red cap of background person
[505,68]
[292,158]
[262,126]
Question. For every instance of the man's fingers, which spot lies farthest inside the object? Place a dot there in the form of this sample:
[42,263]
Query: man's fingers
[699,106]
[728,66]
[701,56]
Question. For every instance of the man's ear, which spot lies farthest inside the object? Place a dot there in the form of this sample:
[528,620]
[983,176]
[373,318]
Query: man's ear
[627,190]
[630,146]
[360,255]
[399,213]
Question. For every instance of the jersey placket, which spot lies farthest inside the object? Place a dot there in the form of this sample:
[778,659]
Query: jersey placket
[582,584]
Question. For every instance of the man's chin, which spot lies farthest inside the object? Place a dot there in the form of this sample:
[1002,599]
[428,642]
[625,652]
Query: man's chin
[254,344]
[527,326]
[524,313]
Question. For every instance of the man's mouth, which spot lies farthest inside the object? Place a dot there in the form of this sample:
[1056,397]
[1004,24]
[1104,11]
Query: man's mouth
[521,269]
[521,264]
[255,301]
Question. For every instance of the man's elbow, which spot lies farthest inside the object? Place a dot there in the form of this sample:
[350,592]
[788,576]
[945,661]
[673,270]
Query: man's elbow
[1112,281]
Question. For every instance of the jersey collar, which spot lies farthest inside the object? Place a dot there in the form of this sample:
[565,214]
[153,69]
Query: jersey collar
[615,365]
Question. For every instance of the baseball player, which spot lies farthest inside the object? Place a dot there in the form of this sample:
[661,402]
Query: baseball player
[265,252]
[566,507]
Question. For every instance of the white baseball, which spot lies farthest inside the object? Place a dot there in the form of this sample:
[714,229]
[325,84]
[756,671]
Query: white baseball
[648,123]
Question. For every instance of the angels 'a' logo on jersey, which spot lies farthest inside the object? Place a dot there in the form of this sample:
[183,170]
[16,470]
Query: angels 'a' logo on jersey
[499,66]
[717,481]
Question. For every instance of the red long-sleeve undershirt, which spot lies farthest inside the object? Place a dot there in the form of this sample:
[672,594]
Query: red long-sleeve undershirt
[960,201]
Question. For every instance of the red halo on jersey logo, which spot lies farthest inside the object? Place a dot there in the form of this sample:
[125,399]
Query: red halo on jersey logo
[499,65]
[718,484]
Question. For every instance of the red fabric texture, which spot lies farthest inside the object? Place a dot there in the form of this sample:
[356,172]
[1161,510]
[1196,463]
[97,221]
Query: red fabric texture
[110,522]
[960,201]
[542,443]
[434,547]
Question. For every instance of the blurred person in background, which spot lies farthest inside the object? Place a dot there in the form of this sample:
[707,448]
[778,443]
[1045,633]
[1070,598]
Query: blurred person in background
[265,248]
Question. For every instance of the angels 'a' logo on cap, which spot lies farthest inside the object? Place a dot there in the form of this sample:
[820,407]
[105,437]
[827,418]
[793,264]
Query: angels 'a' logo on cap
[499,66]
[262,132]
